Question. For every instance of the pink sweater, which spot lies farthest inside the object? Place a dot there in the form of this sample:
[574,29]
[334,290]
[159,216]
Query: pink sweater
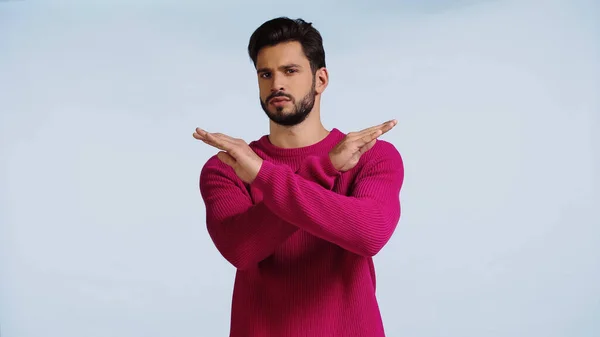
[302,237]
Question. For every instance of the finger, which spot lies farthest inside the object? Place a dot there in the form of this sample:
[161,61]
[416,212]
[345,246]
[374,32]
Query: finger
[226,158]
[220,141]
[200,133]
[388,126]
[367,147]
[364,140]
[220,135]
[225,139]
[217,142]
[212,143]
[383,126]
[208,139]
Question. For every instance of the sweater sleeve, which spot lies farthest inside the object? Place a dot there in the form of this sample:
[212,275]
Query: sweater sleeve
[362,222]
[240,225]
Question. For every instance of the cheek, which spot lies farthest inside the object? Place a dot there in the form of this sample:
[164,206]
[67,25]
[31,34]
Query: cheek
[263,91]
[263,94]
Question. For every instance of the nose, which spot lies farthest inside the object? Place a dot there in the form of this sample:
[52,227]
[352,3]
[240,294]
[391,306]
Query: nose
[277,83]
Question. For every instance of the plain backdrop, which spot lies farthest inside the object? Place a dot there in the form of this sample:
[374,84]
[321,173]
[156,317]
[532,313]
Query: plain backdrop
[102,228]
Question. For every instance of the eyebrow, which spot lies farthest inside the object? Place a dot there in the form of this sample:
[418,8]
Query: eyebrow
[286,66]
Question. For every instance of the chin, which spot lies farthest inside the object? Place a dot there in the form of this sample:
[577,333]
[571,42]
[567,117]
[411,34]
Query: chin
[281,111]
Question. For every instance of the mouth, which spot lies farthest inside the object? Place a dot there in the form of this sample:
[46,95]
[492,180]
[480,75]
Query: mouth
[279,101]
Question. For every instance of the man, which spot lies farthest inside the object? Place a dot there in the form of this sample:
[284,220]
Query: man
[301,212]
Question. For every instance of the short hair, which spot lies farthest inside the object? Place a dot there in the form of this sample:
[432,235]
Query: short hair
[284,29]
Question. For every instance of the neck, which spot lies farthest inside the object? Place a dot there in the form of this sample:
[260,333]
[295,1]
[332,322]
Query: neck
[307,133]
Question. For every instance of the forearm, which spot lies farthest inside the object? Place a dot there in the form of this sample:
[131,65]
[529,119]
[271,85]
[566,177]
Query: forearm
[242,228]
[361,223]
[250,236]
[318,168]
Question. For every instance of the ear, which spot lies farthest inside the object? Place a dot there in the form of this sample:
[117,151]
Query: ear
[322,80]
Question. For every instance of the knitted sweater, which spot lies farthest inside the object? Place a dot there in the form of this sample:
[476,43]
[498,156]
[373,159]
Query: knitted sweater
[302,237]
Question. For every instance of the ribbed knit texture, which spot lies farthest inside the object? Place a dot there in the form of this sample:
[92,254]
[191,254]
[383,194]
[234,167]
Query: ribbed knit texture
[302,237]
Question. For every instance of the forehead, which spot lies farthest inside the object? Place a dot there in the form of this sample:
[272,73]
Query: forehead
[280,54]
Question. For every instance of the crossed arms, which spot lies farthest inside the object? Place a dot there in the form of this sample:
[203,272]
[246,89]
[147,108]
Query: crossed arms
[246,231]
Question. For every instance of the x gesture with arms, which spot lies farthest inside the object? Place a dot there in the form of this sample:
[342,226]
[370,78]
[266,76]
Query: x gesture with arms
[236,153]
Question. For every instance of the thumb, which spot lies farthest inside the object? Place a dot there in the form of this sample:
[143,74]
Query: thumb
[367,147]
[367,139]
[226,158]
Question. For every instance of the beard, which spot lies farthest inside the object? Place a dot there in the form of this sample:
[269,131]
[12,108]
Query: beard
[299,112]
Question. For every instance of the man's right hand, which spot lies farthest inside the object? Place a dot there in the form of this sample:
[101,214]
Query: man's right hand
[345,155]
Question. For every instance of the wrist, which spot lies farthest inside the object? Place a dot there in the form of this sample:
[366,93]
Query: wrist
[328,165]
[262,174]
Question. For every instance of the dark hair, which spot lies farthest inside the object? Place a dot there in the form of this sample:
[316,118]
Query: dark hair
[284,29]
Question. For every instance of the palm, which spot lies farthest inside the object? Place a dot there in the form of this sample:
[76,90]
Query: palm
[234,152]
[243,172]
[345,160]
[352,161]
[346,154]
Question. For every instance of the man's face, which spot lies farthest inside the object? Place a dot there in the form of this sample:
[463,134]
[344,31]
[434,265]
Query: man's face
[286,83]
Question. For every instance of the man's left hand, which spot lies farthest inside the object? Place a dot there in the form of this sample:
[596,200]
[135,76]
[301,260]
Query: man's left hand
[234,152]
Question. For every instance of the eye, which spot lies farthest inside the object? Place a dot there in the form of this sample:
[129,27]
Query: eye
[291,71]
[265,75]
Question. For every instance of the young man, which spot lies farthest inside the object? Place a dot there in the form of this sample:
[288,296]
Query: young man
[301,212]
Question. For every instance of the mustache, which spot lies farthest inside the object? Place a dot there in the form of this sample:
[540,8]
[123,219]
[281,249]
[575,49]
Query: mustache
[279,94]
